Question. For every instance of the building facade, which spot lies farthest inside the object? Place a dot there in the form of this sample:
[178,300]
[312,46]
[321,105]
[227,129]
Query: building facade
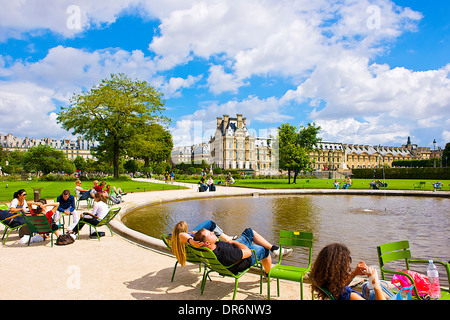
[71,148]
[232,147]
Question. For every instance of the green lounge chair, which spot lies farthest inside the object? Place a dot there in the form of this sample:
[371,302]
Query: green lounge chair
[190,256]
[399,250]
[104,222]
[209,259]
[39,224]
[8,228]
[293,273]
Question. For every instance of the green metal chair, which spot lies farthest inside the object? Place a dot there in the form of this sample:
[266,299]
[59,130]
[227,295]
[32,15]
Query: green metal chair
[104,222]
[39,224]
[293,273]
[322,289]
[7,227]
[190,256]
[89,202]
[212,264]
[399,250]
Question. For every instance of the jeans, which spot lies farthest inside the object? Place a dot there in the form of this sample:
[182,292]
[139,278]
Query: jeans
[246,238]
[211,226]
[86,195]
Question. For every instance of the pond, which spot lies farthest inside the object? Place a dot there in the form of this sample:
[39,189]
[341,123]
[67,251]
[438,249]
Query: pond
[360,222]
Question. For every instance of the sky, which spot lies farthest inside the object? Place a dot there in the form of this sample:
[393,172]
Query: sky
[367,72]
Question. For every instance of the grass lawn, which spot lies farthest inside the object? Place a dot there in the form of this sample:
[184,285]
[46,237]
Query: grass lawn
[52,189]
[392,184]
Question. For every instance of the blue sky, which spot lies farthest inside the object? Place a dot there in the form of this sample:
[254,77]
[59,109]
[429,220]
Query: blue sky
[368,72]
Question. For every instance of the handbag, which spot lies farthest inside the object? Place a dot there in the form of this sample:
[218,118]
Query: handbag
[421,281]
[398,295]
[64,239]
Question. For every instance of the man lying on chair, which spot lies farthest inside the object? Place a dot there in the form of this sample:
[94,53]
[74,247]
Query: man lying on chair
[238,252]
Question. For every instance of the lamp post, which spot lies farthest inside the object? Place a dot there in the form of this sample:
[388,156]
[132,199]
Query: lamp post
[434,152]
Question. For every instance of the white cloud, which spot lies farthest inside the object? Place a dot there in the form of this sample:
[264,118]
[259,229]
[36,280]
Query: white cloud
[323,47]
[175,84]
[392,102]
[202,122]
[219,81]
[64,17]
[27,110]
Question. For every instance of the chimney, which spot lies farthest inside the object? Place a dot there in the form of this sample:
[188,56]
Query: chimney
[219,121]
[239,121]
[225,122]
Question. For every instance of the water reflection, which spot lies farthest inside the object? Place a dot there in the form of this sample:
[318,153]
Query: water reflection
[361,222]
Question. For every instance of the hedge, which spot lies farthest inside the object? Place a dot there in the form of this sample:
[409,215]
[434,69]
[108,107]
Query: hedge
[403,173]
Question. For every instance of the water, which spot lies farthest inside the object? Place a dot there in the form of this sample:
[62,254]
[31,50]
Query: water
[360,222]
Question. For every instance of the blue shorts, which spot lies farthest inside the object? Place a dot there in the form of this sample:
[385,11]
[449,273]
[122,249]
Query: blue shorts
[246,238]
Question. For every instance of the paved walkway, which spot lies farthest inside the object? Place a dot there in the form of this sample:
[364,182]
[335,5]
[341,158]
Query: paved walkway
[116,268]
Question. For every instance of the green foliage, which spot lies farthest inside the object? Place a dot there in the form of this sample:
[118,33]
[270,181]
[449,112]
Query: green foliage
[112,113]
[153,144]
[403,173]
[416,163]
[294,147]
[446,155]
[46,159]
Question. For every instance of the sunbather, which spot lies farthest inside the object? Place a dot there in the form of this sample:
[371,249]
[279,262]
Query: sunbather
[180,236]
[237,253]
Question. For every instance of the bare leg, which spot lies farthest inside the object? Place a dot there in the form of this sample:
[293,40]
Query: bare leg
[259,240]
[267,263]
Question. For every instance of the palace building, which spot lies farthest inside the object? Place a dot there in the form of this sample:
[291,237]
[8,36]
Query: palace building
[233,147]
[71,148]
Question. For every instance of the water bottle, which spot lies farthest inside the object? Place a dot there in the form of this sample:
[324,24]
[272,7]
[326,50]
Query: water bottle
[433,279]
[369,282]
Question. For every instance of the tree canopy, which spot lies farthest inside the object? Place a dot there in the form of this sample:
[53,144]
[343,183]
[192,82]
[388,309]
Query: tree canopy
[46,159]
[295,146]
[112,113]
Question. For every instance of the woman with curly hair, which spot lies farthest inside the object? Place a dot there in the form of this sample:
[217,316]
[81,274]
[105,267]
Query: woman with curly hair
[332,271]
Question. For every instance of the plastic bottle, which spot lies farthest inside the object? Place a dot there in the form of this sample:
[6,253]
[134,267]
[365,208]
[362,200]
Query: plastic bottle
[369,282]
[433,279]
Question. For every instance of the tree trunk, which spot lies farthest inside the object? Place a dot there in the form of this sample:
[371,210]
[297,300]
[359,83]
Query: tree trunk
[289,176]
[116,159]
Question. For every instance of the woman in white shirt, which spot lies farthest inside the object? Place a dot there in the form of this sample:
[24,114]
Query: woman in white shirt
[19,203]
[99,211]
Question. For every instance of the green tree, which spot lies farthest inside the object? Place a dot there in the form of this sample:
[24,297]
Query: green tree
[80,163]
[153,144]
[46,159]
[112,113]
[295,146]
[446,155]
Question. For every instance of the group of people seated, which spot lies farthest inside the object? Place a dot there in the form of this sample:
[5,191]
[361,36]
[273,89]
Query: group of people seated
[209,185]
[347,183]
[114,194]
[64,204]
[331,270]
[377,184]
